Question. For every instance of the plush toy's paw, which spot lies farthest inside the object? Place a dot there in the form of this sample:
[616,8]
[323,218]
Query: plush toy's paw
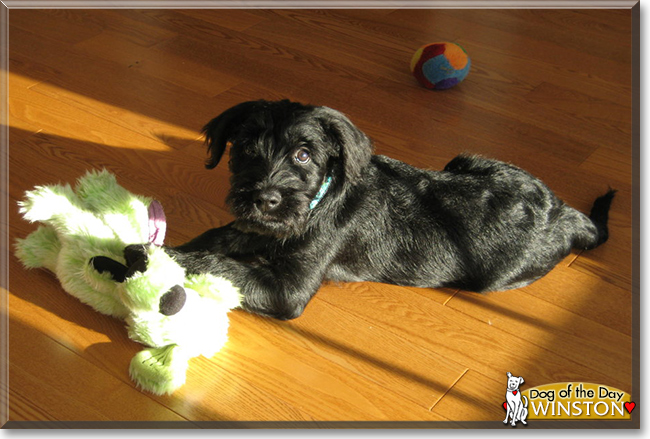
[159,370]
[39,249]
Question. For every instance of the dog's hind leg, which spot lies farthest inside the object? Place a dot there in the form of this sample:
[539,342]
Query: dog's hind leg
[523,415]
[592,231]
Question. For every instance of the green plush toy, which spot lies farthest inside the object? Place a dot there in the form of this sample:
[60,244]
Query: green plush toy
[103,244]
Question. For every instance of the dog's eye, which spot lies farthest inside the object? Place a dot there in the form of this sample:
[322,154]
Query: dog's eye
[302,156]
[249,150]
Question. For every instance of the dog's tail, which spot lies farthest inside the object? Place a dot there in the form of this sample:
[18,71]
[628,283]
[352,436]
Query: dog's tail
[598,218]
[526,401]
[600,214]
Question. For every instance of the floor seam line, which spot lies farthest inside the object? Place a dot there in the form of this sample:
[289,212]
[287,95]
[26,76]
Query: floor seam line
[449,389]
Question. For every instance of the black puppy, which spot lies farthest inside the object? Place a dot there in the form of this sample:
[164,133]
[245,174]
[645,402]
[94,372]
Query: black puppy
[312,203]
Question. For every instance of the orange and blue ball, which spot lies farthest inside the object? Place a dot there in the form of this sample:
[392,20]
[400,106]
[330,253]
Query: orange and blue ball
[440,65]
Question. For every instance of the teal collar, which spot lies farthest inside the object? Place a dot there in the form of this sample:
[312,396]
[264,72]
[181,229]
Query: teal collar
[321,192]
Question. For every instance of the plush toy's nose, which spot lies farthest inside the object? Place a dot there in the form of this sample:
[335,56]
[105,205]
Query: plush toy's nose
[172,301]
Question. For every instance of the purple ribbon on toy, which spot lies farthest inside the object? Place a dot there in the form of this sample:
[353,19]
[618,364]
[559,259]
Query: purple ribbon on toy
[157,223]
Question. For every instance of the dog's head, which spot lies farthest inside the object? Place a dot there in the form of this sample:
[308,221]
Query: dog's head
[514,382]
[282,156]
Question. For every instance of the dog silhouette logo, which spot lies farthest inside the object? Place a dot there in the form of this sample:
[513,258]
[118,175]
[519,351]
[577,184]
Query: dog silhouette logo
[516,404]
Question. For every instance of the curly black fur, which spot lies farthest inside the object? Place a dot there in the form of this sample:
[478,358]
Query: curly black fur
[480,224]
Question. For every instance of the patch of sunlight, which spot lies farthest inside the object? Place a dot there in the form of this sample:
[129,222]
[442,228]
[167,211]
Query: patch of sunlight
[54,110]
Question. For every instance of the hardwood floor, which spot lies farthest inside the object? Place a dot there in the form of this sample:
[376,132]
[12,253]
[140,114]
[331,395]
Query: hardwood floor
[129,90]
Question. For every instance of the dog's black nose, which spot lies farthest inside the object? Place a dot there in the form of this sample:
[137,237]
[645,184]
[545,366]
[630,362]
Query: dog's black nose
[268,200]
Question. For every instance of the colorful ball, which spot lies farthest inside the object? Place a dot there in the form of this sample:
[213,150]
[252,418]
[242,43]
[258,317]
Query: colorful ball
[440,65]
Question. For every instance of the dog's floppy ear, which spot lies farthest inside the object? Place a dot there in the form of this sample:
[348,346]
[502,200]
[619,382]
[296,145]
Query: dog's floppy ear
[521,380]
[220,129]
[355,148]
[509,374]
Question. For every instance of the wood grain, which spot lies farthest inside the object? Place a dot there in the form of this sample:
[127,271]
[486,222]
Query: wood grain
[129,90]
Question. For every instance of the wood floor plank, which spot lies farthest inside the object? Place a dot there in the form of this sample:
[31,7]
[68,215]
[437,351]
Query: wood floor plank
[615,21]
[364,14]
[370,30]
[254,59]
[47,28]
[238,20]
[606,120]
[272,66]
[561,119]
[104,20]
[569,30]
[609,163]
[59,114]
[521,315]
[152,63]
[382,57]
[485,348]
[586,295]
[613,266]
[20,127]
[476,397]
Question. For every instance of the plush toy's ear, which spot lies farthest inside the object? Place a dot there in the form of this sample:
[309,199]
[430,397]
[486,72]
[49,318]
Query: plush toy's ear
[220,129]
[107,265]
